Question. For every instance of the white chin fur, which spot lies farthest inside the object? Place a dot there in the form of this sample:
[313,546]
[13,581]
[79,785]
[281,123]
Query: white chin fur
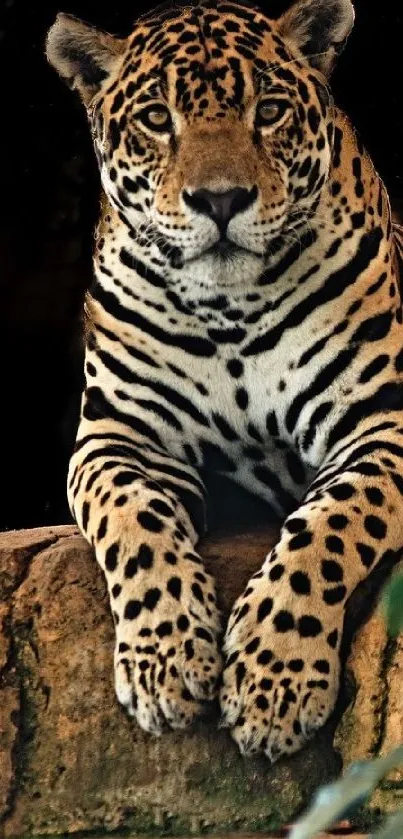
[210,271]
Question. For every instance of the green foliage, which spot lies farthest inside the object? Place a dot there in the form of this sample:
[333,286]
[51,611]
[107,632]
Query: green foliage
[393,829]
[392,604]
[340,799]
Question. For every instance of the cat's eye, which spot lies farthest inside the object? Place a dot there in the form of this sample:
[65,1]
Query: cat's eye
[156,117]
[270,111]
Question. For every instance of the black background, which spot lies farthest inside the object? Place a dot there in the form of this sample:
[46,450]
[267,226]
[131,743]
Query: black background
[49,196]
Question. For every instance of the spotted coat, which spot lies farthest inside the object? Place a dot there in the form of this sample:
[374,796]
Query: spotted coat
[245,318]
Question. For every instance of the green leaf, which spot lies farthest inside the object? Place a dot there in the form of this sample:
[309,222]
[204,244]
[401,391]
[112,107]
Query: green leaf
[333,801]
[392,605]
[393,829]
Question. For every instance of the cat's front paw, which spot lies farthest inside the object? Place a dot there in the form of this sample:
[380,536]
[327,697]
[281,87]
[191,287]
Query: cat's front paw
[281,673]
[167,661]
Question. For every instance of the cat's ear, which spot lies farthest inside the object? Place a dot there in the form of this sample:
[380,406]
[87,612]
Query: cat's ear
[83,56]
[319,28]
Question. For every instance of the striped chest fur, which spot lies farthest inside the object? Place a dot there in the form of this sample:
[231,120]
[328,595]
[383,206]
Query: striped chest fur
[252,378]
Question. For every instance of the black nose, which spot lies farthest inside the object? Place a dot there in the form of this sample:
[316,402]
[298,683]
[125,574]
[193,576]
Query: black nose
[221,207]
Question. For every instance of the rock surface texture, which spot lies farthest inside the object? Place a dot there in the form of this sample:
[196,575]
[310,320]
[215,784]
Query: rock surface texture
[70,760]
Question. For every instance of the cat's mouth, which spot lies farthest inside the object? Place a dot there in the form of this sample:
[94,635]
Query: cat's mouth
[225,249]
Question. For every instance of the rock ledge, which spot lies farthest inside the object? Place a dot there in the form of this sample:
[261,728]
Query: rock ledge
[71,761]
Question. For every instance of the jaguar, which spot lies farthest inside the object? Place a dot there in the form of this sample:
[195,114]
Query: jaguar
[245,320]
